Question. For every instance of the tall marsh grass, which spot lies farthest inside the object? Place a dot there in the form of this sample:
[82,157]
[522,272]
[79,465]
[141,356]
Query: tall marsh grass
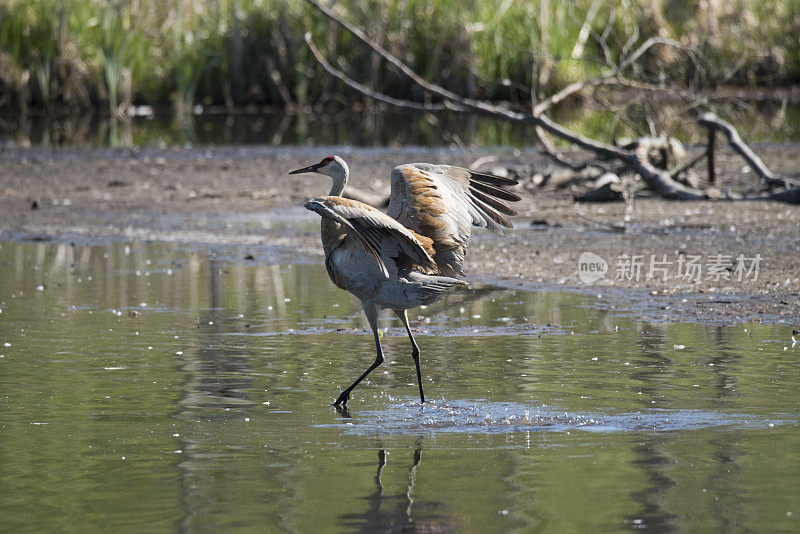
[99,53]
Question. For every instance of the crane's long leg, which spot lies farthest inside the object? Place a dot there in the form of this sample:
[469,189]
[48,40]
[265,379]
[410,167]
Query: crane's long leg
[414,351]
[371,311]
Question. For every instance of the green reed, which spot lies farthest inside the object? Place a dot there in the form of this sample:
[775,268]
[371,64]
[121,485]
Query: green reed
[99,53]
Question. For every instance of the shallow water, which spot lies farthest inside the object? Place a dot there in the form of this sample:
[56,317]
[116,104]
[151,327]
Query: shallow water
[159,387]
[757,121]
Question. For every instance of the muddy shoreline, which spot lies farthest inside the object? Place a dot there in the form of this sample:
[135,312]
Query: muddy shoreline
[240,202]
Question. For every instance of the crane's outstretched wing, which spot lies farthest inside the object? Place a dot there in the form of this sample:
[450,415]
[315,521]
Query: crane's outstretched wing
[383,237]
[442,203]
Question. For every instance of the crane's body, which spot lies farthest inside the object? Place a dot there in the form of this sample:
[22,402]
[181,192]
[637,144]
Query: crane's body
[413,254]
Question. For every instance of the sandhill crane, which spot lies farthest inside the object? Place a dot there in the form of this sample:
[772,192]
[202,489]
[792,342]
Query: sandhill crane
[413,254]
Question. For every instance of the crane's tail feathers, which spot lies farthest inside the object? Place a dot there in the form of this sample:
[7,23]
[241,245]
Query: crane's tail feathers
[325,211]
[420,289]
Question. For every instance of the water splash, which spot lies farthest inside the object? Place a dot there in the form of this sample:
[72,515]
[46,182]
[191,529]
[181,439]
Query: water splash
[478,416]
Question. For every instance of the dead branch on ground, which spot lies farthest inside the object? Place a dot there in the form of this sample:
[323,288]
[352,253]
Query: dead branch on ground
[715,124]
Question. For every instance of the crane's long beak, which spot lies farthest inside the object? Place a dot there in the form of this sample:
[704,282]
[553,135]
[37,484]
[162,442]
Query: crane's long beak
[310,168]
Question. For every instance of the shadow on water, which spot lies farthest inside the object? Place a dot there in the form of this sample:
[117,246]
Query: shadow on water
[160,387]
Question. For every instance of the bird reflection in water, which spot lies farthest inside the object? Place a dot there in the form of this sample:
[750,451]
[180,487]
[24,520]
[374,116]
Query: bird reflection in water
[396,513]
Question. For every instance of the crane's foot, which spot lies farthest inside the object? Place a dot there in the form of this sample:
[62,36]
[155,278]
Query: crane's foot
[343,398]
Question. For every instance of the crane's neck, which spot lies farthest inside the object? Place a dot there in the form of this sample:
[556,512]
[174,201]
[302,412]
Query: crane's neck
[339,176]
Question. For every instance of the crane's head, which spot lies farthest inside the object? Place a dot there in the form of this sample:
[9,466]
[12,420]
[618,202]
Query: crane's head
[332,166]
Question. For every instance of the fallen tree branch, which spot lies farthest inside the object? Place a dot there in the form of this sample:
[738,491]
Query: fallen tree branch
[403,104]
[549,150]
[636,159]
[714,123]
[567,92]
[792,196]
[469,103]
[604,80]
[660,180]
[475,105]
[688,165]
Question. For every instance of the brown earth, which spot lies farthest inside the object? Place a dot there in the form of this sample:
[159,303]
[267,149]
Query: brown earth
[242,196]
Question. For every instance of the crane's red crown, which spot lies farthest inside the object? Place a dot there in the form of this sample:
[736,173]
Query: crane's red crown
[325,161]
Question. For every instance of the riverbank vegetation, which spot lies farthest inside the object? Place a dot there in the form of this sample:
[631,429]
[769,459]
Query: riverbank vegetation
[111,55]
